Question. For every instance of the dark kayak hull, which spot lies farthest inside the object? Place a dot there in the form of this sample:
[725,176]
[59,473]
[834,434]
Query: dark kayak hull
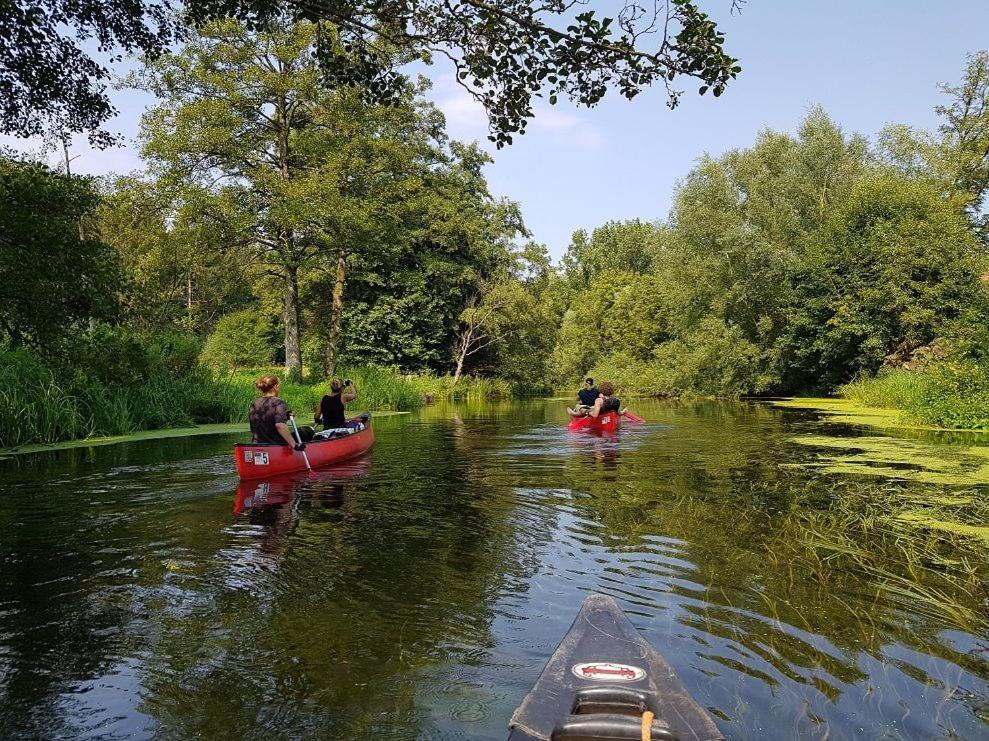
[600,681]
[263,461]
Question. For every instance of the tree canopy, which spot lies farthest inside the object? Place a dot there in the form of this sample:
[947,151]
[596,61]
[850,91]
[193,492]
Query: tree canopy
[505,53]
[54,275]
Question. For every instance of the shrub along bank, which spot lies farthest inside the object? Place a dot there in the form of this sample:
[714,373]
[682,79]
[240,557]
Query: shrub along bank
[114,381]
[952,394]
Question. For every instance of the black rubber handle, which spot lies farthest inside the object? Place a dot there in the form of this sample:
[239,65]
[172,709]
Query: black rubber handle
[604,727]
[612,699]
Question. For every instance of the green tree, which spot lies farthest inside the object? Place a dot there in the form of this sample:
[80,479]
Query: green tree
[238,127]
[893,266]
[957,156]
[178,267]
[505,53]
[55,276]
[618,245]
[241,339]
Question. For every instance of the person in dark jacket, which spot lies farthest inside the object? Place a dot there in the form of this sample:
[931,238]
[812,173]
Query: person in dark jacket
[585,399]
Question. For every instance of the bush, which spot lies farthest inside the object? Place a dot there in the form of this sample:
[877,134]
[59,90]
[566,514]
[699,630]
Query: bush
[949,394]
[242,339]
[110,382]
[955,394]
[468,388]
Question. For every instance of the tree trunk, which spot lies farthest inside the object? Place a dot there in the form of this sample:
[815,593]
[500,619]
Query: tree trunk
[463,346]
[293,342]
[188,297]
[290,315]
[336,316]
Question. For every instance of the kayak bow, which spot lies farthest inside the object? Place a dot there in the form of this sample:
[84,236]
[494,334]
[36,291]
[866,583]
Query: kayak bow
[263,460]
[605,682]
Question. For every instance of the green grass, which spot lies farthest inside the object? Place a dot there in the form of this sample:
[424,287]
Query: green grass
[127,385]
[896,389]
[948,395]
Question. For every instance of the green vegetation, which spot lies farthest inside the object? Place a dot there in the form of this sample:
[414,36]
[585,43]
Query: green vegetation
[506,54]
[291,222]
[811,263]
[952,394]
[796,265]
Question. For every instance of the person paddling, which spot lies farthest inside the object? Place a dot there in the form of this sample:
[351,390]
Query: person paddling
[268,415]
[331,409]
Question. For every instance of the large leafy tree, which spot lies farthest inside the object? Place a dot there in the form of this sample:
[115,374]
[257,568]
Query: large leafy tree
[956,157]
[55,276]
[180,269]
[504,52]
[894,265]
[448,237]
[241,134]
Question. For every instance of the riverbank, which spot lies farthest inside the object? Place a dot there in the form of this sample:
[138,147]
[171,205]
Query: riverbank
[948,395]
[117,387]
[171,432]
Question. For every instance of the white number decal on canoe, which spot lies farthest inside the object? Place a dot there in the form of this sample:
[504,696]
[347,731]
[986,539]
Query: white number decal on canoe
[605,420]
[605,671]
[260,459]
[248,456]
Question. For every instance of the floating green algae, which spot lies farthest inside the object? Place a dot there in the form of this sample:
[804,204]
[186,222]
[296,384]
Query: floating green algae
[846,411]
[925,520]
[849,412]
[897,458]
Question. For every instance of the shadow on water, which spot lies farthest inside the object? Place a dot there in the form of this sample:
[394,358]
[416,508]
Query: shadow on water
[416,593]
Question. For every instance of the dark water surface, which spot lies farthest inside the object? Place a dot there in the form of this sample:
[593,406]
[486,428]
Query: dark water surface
[418,592]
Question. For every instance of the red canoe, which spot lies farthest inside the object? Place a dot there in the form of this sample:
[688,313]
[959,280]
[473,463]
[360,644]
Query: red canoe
[609,422]
[261,461]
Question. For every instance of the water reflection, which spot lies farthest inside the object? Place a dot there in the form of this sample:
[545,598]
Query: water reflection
[419,595]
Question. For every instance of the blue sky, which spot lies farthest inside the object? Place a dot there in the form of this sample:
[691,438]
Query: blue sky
[867,62]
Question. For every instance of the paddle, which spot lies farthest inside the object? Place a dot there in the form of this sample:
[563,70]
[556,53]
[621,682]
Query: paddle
[298,439]
[633,418]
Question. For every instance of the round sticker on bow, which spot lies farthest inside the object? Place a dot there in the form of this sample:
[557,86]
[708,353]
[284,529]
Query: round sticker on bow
[605,671]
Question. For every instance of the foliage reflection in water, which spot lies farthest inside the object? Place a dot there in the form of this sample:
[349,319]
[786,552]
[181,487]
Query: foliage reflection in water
[417,593]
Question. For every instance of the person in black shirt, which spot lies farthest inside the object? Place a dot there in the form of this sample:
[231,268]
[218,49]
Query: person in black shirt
[331,409]
[586,398]
[268,415]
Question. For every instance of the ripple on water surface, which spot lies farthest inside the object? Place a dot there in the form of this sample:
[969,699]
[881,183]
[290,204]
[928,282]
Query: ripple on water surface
[417,593]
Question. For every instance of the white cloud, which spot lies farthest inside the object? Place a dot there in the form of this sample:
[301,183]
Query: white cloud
[466,119]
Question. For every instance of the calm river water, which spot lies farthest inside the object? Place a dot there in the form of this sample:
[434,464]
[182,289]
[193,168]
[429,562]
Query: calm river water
[417,593]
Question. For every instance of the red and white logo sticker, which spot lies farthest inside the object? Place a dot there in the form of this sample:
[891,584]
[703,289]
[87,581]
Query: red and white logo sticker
[605,671]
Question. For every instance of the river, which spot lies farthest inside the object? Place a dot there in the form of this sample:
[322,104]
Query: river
[804,578]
